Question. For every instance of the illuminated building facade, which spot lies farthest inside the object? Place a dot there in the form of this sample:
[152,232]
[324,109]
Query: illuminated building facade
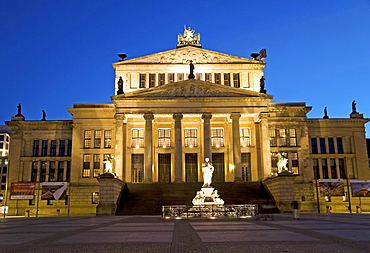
[161,125]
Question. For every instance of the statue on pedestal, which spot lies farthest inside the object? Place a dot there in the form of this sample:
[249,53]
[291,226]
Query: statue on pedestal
[108,164]
[207,169]
[282,162]
[354,109]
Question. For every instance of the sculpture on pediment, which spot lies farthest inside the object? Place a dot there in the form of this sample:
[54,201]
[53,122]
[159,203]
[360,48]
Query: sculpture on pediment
[188,37]
[120,86]
[354,109]
[262,85]
[43,115]
[19,110]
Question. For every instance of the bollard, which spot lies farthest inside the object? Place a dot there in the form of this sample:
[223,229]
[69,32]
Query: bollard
[328,208]
[358,209]
[27,213]
[58,212]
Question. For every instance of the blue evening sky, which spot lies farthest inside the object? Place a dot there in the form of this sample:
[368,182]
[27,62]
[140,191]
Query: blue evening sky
[56,53]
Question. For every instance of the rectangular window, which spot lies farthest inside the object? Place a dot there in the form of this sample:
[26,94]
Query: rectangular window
[68,172]
[107,139]
[191,167]
[96,165]
[87,139]
[62,147]
[342,169]
[151,80]
[34,171]
[95,198]
[137,163]
[53,148]
[273,141]
[324,168]
[180,77]
[217,137]
[282,138]
[294,158]
[191,139]
[161,79]
[316,169]
[52,171]
[208,77]
[44,148]
[36,147]
[274,160]
[333,168]
[142,83]
[292,137]
[164,135]
[97,139]
[218,78]
[245,137]
[2,137]
[137,138]
[236,80]
[339,145]
[43,172]
[198,76]
[314,146]
[171,77]
[227,79]
[69,151]
[60,171]
[322,146]
[331,145]
[86,166]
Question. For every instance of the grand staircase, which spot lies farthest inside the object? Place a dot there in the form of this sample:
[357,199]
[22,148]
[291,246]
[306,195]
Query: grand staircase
[148,199]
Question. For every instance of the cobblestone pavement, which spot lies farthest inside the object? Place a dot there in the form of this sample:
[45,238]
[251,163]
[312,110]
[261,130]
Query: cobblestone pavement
[312,233]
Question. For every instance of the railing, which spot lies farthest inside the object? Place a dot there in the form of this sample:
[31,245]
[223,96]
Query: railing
[214,211]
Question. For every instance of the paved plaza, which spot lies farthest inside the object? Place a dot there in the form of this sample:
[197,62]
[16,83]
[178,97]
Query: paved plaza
[312,233]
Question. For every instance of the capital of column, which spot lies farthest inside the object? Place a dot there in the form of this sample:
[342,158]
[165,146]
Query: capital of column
[120,117]
[148,116]
[177,116]
[235,115]
[206,115]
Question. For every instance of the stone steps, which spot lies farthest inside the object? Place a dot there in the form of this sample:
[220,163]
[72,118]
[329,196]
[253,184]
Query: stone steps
[148,198]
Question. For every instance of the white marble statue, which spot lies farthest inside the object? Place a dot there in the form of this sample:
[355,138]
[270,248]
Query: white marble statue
[216,198]
[207,169]
[198,200]
[108,164]
[282,162]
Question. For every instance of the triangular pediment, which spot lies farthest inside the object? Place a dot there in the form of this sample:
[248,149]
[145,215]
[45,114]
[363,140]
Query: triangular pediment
[187,53]
[193,88]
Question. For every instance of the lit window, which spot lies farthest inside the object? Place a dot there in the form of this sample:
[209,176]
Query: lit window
[95,198]
[43,172]
[137,161]
[137,138]
[96,165]
[164,135]
[97,139]
[61,171]
[245,140]
[282,139]
[86,166]
[52,177]
[34,171]
[292,137]
[273,142]
[294,158]
[217,137]
[191,137]
[107,139]
[87,139]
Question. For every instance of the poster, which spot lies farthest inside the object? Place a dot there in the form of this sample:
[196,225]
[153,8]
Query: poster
[22,191]
[53,190]
[331,187]
[360,188]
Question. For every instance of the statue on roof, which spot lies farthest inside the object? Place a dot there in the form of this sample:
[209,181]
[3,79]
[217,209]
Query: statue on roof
[188,37]
[19,110]
[354,109]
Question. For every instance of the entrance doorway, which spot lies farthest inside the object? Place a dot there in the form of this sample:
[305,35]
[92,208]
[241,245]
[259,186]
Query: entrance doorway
[191,167]
[164,168]
[218,162]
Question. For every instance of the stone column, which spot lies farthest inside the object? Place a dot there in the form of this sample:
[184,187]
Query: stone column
[119,145]
[207,135]
[178,147]
[236,146]
[148,159]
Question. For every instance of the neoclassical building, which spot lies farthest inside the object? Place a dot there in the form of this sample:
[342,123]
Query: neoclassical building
[171,110]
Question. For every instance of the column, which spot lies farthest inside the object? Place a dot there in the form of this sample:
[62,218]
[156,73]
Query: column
[235,116]
[207,152]
[148,147]
[178,147]
[119,145]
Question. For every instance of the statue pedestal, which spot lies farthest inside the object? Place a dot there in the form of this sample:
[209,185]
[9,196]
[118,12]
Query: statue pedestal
[110,191]
[208,200]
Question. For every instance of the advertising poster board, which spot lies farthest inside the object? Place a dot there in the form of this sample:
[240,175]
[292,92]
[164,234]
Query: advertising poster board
[331,187]
[22,191]
[360,188]
[53,190]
